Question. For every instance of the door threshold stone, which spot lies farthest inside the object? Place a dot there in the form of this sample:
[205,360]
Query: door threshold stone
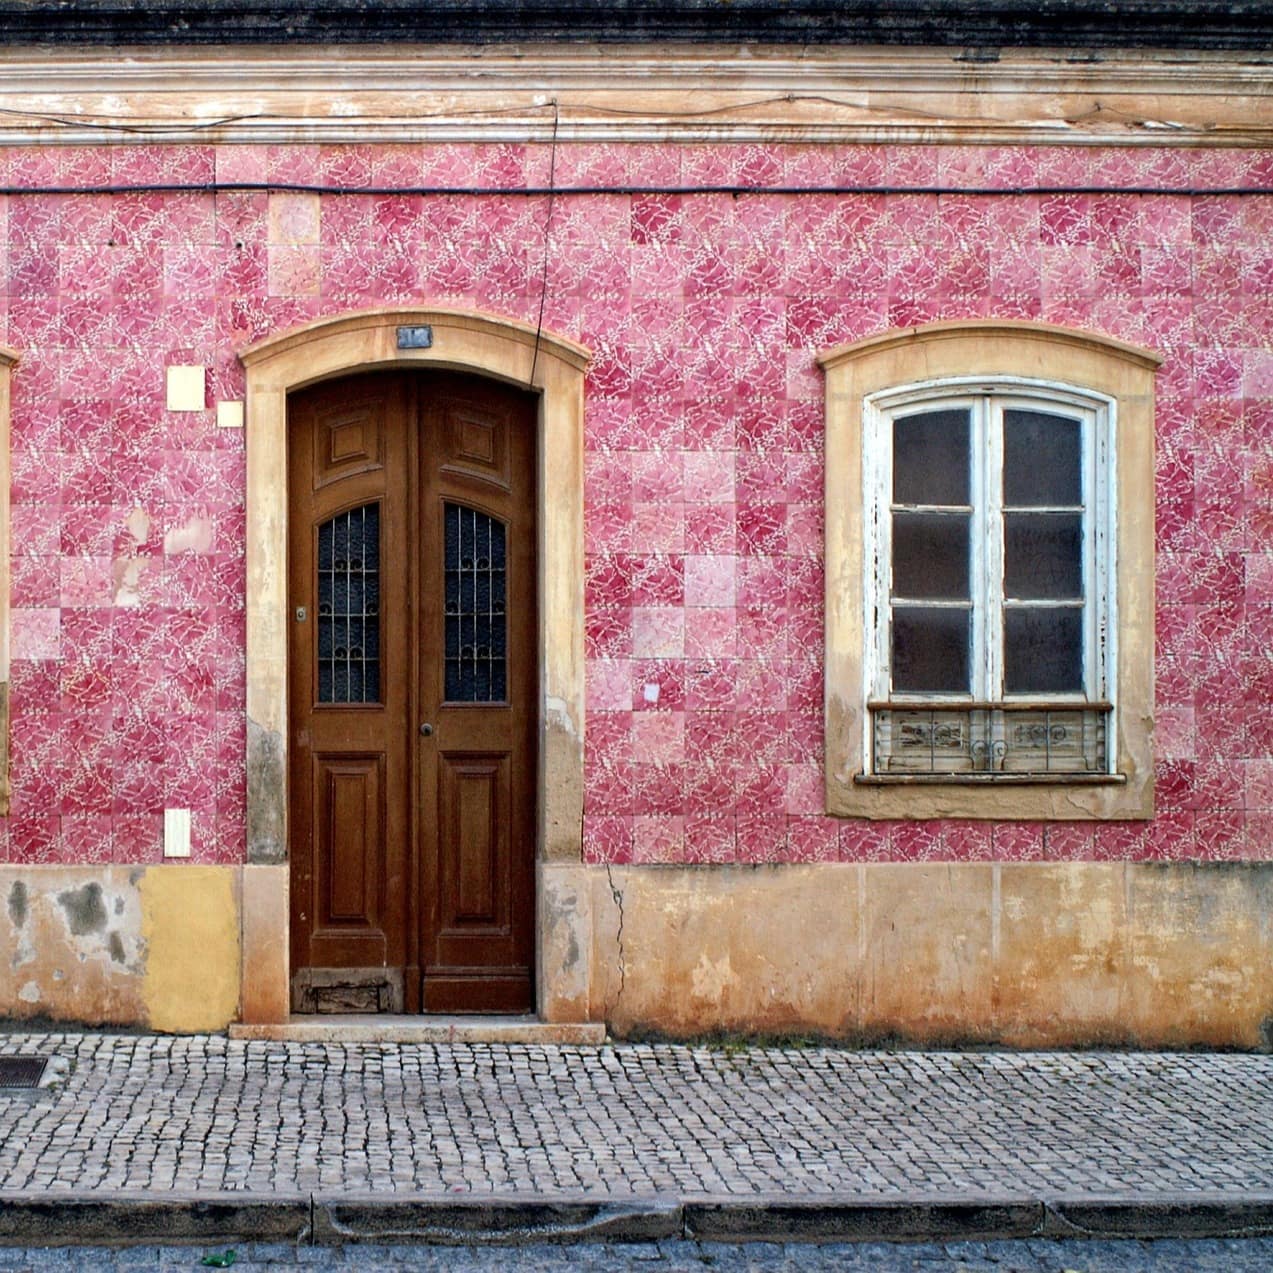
[384,1028]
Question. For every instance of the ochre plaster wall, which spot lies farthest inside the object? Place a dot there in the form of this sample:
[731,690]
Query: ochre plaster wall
[1030,955]
[1062,954]
[151,946]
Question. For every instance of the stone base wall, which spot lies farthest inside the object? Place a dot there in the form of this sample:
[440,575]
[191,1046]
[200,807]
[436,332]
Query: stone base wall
[1024,955]
[116,945]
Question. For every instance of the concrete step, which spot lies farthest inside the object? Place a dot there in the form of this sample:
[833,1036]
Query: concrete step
[383,1028]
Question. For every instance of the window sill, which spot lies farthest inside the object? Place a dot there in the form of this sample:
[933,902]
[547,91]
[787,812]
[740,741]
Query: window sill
[990,780]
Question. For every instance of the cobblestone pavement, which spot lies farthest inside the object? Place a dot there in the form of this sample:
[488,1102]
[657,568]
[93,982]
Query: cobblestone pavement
[1076,1256]
[156,1114]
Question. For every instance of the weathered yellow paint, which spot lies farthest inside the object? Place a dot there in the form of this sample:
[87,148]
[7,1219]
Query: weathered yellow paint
[190,921]
[1024,954]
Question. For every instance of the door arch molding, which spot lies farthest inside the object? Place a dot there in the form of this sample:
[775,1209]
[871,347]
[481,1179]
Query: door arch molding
[463,341]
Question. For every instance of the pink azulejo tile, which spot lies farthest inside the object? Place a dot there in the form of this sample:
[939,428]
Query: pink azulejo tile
[608,632]
[88,839]
[812,839]
[658,738]
[1220,836]
[607,839]
[607,579]
[38,763]
[658,838]
[710,839]
[711,529]
[761,791]
[609,684]
[35,839]
[657,579]
[608,788]
[1068,841]
[859,840]
[35,633]
[711,684]
[658,527]
[804,787]
[35,582]
[657,788]
[710,787]
[711,633]
[761,837]
[658,631]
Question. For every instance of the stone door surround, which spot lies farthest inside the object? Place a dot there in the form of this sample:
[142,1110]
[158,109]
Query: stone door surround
[459,340]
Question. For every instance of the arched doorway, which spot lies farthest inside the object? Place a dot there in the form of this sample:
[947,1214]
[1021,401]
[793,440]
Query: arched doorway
[403,341]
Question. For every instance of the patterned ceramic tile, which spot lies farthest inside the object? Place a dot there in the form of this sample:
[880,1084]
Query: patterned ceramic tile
[703,478]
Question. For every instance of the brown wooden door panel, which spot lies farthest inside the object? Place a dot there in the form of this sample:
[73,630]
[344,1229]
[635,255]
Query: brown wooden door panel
[350,858]
[412,848]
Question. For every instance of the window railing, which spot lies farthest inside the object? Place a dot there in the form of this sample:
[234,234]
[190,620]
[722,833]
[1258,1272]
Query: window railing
[1023,741]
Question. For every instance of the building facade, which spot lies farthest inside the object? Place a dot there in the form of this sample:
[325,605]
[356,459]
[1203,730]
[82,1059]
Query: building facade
[700,533]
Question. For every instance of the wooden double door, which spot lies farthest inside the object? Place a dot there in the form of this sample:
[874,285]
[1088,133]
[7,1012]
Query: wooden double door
[412,691]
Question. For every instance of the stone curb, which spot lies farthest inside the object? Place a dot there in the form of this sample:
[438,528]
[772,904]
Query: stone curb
[859,1219]
[123,1219]
[1178,1215]
[506,1221]
[119,1219]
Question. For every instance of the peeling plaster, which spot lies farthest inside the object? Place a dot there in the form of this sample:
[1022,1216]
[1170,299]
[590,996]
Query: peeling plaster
[126,580]
[78,952]
[137,523]
[557,715]
[18,903]
[194,536]
[84,910]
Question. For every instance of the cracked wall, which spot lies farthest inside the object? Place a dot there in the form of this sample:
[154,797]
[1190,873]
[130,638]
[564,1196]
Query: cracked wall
[1031,955]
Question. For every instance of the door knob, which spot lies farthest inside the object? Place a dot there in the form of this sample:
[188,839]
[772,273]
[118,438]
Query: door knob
[426,730]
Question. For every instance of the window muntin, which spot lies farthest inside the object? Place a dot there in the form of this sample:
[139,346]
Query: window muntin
[990,589]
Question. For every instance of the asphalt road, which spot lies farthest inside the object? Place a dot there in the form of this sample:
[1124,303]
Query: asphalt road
[1250,1255]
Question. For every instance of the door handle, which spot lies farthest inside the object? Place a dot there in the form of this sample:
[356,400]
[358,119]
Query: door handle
[426,730]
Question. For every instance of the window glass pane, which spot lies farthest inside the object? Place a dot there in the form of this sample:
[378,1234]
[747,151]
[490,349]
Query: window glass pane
[1043,650]
[1043,556]
[476,655]
[1041,459]
[930,556]
[930,458]
[347,629]
[930,649]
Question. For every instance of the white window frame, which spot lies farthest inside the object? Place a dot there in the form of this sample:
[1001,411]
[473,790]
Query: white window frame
[986,398]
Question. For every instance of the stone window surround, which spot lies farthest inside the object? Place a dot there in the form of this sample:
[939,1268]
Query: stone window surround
[465,341]
[993,348]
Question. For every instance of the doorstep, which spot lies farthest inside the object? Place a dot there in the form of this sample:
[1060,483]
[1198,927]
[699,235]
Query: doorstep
[383,1028]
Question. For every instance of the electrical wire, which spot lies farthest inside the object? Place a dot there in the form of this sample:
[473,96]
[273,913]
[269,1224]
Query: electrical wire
[548,229]
[553,191]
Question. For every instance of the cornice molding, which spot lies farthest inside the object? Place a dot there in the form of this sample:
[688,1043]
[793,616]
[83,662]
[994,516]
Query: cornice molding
[678,94]
[988,24]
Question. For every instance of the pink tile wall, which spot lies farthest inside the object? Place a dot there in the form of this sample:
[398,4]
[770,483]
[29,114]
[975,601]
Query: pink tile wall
[704,464]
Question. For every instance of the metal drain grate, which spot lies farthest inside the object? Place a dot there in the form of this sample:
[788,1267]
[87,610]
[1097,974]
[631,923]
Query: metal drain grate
[22,1071]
